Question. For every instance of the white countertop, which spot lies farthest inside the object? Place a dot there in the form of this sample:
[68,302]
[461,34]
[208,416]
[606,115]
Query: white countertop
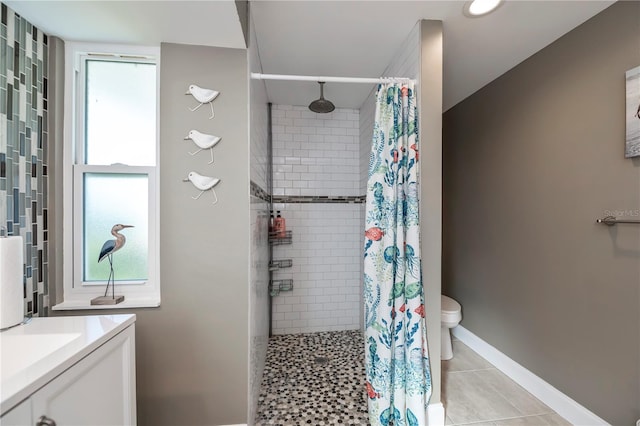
[33,354]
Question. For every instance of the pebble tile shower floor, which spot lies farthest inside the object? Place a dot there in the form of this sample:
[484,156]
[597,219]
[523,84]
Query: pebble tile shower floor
[314,379]
[318,379]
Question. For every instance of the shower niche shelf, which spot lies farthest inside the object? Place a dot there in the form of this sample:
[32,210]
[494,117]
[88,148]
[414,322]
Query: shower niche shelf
[276,286]
[275,265]
[276,240]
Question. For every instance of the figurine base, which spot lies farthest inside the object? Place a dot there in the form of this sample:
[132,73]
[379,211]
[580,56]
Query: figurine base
[107,300]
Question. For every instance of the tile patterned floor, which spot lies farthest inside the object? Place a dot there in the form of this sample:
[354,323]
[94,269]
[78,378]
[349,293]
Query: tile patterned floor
[318,379]
[314,379]
[474,392]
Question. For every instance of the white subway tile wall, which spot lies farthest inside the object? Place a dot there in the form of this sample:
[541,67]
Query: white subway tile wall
[259,136]
[315,154]
[259,275]
[367,115]
[326,253]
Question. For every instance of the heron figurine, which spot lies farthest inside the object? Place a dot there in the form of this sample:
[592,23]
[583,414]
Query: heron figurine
[108,248]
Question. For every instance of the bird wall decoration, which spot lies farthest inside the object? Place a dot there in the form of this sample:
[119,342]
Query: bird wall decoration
[203,183]
[203,141]
[108,248]
[204,96]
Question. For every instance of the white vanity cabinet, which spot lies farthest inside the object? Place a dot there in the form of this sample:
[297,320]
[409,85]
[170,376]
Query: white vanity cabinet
[20,415]
[96,389]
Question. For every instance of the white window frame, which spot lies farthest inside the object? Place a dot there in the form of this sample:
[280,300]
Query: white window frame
[77,294]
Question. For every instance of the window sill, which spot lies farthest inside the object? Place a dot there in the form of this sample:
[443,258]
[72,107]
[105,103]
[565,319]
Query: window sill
[77,305]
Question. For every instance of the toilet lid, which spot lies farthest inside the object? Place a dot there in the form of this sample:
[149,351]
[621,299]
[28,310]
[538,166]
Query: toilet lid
[449,305]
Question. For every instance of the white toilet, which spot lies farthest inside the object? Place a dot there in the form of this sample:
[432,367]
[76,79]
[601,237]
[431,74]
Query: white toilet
[450,316]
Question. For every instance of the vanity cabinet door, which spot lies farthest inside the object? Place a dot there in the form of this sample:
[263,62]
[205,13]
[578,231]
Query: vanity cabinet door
[18,416]
[98,390]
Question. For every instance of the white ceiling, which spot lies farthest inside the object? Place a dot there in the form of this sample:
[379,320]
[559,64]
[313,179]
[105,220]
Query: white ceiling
[340,38]
[359,38]
[207,23]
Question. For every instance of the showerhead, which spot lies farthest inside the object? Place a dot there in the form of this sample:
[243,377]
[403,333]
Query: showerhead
[321,105]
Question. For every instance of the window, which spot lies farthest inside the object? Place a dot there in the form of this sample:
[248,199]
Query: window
[111,172]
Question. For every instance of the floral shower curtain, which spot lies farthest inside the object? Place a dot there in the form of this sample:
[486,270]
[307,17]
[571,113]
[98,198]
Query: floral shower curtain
[396,355]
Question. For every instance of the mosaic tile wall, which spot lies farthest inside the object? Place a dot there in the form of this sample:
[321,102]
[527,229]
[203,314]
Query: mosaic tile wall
[23,149]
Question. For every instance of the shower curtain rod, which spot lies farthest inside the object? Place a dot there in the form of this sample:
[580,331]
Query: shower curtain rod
[259,76]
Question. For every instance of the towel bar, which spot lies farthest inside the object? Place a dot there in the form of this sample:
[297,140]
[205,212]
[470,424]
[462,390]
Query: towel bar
[612,220]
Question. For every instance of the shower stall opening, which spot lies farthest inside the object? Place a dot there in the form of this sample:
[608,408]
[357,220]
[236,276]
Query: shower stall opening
[321,171]
[320,177]
[315,358]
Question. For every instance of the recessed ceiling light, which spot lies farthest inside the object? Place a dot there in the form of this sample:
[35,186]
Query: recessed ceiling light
[476,8]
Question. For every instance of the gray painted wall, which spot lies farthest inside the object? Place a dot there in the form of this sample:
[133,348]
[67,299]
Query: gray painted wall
[192,353]
[530,162]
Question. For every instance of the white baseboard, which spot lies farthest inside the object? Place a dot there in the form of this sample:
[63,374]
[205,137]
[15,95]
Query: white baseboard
[435,414]
[566,407]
